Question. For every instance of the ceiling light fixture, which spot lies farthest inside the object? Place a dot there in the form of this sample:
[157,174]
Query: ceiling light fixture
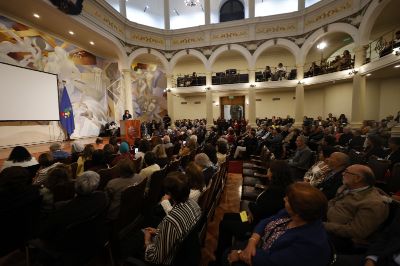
[369,74]
[191,3]
[396,66]
[36,15]
[322,45]
[71,32]
[91,42]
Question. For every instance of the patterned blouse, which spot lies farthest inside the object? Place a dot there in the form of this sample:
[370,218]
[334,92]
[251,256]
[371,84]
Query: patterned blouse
[273,231]
[317,173]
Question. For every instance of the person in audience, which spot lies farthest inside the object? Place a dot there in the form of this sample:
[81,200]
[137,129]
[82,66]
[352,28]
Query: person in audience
[167,142]
[161,156]
[19,208]
[337,163]
[196,185]
[394,152]
[383,251]
[342,120]
[248,144]
[357,210]
[357,142]
[208,168]
[144,146]
[124,153]
[374,147]
[268,203]
[86,156]
[302,157]
[116,186]
[57,152]
[222,150]
[159,245]
[188,147]
[314,70]
[76,149]
[98,161]
[211,152]
[151,165]
[99,143]
[87,203]
[57,187]
[317,173]
[19,156]
[267,73]
[47,163]
[294,236]
[109,153]
[280,72]
[114,142]
[231,136]
[345,138]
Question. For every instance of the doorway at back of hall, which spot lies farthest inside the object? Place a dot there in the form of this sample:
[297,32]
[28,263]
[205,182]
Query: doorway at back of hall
[232,107]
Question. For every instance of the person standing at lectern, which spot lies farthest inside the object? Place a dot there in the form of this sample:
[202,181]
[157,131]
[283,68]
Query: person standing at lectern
[126,115]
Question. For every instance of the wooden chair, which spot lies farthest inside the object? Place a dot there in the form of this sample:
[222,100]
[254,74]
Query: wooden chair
[132,201]
[106,175]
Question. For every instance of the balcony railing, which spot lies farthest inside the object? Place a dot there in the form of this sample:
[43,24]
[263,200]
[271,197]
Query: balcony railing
[329,65]
[263,74]
[230,76]
[190,80]
[384,45]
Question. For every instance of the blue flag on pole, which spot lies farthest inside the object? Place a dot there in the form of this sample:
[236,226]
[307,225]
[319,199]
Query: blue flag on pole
[66,114]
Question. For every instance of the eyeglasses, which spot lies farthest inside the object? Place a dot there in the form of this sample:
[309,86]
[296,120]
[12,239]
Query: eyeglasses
[349,173]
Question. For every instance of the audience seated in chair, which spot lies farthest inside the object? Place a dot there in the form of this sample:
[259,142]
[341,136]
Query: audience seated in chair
[208,168]
[124,153]
[19,156]
[76,149]
[318,172]
[159,246]
[302,157]
[47,163]
[280,72]
[337,162]
[357,211]
[116,186]
[294,236]
[85,156]
[57,152]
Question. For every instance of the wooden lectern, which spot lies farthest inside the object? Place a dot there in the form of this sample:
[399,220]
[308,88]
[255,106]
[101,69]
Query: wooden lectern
[130,130]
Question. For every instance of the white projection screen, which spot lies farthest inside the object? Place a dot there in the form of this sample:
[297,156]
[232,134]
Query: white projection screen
[27,95]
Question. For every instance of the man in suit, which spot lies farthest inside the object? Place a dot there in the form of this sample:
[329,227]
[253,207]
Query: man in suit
[337,162]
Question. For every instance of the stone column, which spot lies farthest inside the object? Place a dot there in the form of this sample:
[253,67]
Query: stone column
[170,98]
[209,107]
[301,5]
[126,75]
[252,8]
[207,12]
[359,89]
[299,104]
[167,24]
[252,98]
[122,7]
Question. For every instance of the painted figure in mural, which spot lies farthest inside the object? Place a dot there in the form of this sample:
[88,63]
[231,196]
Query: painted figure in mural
[21,45]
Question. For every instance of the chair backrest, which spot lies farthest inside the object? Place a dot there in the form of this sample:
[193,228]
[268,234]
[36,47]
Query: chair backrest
[393,182]
[73,167]
[189,249]
[155,188]
[379,167]
[32,169]
[106,175]
[131,205]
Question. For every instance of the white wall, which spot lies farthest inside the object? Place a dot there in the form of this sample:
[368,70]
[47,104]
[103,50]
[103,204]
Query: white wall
[267,107]
[372,95]
[338,99]
[273,58]
[314,102]
[190,110]
[390,97]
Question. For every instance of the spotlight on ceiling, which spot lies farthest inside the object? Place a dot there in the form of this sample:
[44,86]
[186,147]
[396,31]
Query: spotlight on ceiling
[36,15]
[322,45]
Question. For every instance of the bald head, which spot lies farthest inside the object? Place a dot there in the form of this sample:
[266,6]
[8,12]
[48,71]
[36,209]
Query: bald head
[338,160]
[357,175]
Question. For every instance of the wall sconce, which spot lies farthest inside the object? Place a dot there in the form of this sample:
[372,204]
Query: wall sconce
[253,85]
[168,90]
[300,82]
[353,72]
[207,88]
[396,51]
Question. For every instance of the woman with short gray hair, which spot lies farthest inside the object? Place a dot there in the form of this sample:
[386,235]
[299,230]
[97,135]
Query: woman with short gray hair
[87,182]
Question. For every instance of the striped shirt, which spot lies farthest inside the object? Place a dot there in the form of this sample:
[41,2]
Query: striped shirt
[172,229]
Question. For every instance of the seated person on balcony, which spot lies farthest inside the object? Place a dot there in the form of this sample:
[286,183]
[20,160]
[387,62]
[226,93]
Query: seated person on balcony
[391,45]
[314,70]
[344,62]
[187,80]
[280,72]
[267,73]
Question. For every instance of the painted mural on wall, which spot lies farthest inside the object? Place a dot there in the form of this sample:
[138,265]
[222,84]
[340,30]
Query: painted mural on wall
[148,92]
[92,83]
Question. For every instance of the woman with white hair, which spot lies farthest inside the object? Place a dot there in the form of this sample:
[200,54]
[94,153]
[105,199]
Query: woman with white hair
[207,166]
